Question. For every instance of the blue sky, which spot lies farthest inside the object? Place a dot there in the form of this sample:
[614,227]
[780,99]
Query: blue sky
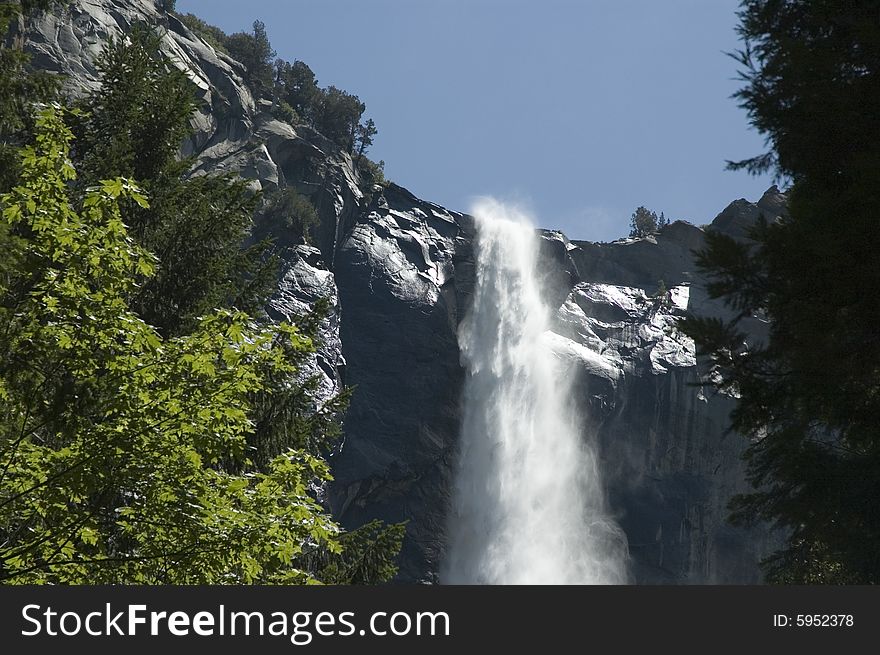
[578,110]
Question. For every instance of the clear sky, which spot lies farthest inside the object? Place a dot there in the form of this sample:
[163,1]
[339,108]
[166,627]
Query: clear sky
[579,110]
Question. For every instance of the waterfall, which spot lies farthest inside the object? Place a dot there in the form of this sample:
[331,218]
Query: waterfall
[528,505]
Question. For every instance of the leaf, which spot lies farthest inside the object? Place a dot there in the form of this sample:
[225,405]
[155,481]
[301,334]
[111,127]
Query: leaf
[140,199]
[237,485]
[64,340]
[88,536]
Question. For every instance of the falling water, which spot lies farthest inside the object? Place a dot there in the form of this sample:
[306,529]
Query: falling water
[528,504]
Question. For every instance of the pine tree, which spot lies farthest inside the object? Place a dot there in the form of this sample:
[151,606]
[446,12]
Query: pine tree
[133,126]
[338,115]
[809,396]
[254,50]
[644,222]
[364,134]
[296,85]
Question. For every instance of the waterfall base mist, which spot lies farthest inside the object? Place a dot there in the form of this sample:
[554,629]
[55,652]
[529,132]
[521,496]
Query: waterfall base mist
[528,504]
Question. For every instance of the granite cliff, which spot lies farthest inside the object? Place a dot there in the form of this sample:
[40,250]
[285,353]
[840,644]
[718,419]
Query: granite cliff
[399,272]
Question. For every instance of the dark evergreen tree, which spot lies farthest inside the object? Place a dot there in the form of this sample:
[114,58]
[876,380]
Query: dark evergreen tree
[338,116]
[644,222]
[133,126]
[364,134]
[296,85]
[286,216]
[213,36]
[254,50]
[809,397]
[367,556]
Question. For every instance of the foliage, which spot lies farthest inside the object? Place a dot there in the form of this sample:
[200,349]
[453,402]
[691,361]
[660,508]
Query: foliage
[295,84]
[366,556]
[284,112]
[644,222]
[337,116]
[213,36]
[364,133]
[809,396]
[254,51]
[287,217]
[133,126]
[20,87]
[371,174]
[110,434]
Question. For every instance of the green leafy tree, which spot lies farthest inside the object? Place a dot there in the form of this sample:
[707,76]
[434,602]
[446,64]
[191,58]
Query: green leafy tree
[111,435]
[809,395]
[133,126]
[254,50]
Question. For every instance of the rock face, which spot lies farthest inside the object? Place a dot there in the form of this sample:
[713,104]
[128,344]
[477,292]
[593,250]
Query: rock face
[399,273]
[395,272]
[669,464]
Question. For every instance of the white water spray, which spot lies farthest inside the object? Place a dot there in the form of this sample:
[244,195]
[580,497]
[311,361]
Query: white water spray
[528,504]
